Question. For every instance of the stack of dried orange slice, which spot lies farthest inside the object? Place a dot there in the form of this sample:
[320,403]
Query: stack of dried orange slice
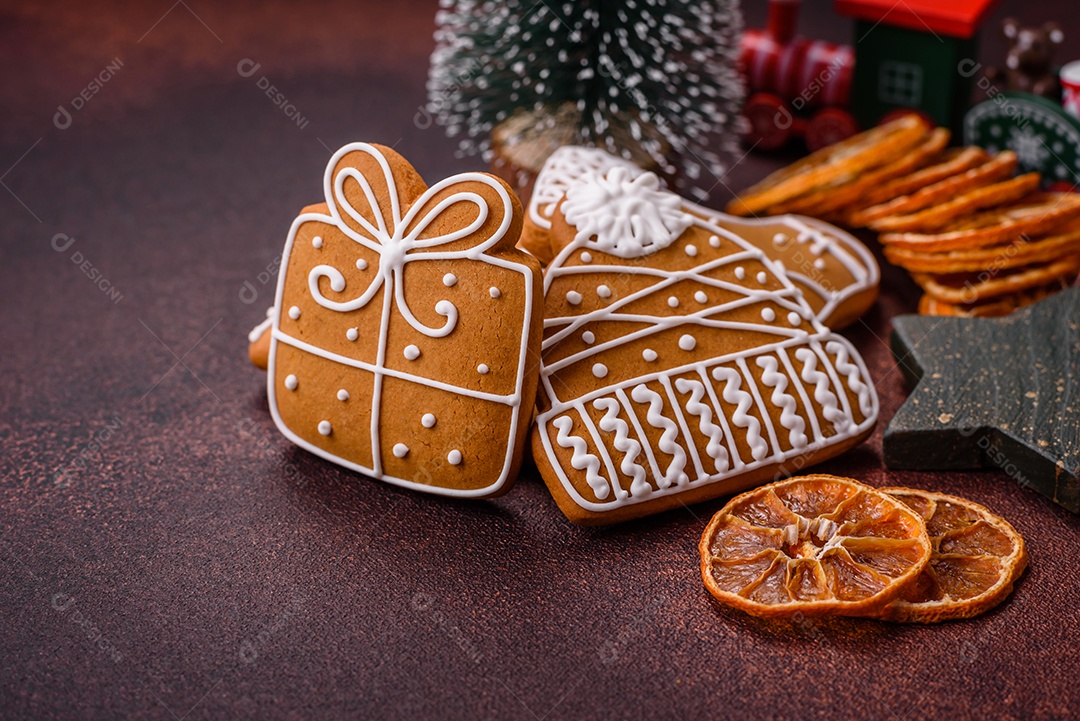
[979,241]
[824,545]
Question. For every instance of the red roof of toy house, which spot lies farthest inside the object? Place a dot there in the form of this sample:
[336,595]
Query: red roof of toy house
[958,18]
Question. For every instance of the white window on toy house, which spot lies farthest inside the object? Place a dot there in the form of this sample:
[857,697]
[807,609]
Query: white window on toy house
[900,83]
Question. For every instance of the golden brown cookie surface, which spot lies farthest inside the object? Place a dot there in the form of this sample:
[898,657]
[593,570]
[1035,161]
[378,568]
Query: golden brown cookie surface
[404,327]
[679,363]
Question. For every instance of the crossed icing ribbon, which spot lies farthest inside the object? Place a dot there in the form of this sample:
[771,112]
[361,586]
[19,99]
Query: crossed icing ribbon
[401,243]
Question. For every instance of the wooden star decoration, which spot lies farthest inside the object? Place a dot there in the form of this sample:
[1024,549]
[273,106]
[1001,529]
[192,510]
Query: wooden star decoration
[988,392]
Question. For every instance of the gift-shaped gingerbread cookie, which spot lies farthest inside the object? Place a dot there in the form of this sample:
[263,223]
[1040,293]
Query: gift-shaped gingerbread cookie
[679,363]
[406,327]
[836,273]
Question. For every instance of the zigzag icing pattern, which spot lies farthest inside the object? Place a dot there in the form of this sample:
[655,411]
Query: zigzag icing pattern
[710,430]
[674,474]
[789,419]
[582,460]
[851,371]
[743,402]
[591,322]
[611,423]
[822,395]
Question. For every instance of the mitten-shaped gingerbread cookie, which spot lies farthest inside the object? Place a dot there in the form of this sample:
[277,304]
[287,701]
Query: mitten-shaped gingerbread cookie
[836,273]
[406,327]
[679,363]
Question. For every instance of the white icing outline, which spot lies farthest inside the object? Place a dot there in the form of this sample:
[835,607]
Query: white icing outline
[401,248]
[734,381]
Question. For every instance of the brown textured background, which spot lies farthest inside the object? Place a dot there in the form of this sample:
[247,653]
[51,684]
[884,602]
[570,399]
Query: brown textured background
[191,564]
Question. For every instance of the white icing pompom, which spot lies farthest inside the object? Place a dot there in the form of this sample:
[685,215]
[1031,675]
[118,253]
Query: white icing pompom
[573,297]
[454,458]
[343,395]
[352,334]
[324,428]
[588,337]
[428,420]
[401,450]
[622,214]
[649,354]
[449,280]
[412,352]
[294,312]
[316,242]
[687,342]
[768,314]
[599,370]
[495,292]
[483,369]
[291,382]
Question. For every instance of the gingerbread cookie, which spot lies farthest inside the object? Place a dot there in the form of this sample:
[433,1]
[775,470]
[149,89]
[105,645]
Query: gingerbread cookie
[679,363]
[837,274]
[406,326]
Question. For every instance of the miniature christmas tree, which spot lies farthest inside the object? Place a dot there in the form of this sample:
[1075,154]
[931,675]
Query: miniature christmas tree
[654,81]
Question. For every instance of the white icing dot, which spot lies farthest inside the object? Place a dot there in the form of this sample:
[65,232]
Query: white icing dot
[687,342]
[599,370]
[454,458]
[700,297]
[316,241]
[588,337]
[449,280]
[291,382]
[673,302]
[573,297]
[294,312]
[691,249]
[714,241]
[762,278]
[779,238]
[343,395]
[361,264]
[412,352]
[352,334]
[768,314]
[427,420]
[482,369]
[649,354]
[794,318]
[603,291]
[325,428]
[740,273]
[586,256]
[819,263]
[401,450]
[495,292]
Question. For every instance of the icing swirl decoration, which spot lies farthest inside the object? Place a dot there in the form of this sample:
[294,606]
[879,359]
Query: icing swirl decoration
[399,243]
[623,214]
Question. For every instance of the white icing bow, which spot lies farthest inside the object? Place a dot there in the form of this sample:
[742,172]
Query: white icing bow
[398,242]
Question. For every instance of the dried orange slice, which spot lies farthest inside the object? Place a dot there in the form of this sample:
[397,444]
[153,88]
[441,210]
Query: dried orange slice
[813,545]
[936,216]
[868,149]
[976,560]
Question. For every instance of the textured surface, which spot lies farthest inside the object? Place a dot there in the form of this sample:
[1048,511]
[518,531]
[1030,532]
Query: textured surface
[994,392]
[188,562]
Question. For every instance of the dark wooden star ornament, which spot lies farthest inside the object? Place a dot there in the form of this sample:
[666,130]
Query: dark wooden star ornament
[989,392]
